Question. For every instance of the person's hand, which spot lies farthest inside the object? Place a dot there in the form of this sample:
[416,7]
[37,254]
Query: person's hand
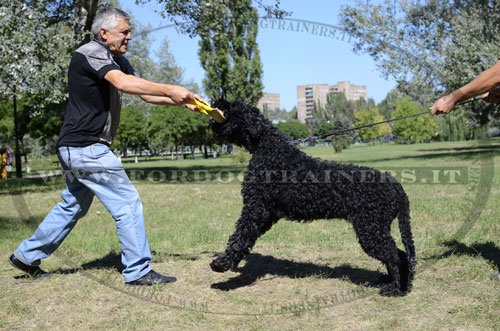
[180,95]
[194,107]
[492,96]
[443,105]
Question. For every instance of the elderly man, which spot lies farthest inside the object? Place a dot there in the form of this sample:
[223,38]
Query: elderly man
[98,72]
[486,83]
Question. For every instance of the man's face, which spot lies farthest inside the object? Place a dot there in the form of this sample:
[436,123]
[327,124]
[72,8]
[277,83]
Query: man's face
[117,38]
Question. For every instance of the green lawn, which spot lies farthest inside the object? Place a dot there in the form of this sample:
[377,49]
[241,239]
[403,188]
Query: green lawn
[299,276]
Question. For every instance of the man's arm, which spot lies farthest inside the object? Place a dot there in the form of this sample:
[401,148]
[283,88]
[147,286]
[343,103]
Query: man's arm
[166,101]
[131,84]
[485,82]
[160,101]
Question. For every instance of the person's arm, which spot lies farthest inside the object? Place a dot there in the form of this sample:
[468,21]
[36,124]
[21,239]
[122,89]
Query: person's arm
[131,84]
[485,82]
[160,101]
[166,101]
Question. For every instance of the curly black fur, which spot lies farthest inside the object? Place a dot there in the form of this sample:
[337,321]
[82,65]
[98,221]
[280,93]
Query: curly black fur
[283,182]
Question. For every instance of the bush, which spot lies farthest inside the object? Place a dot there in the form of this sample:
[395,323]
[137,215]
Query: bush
[340,143]
[240,155]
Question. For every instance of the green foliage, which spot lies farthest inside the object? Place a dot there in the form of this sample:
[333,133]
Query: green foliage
[367,117]
[240,155]
[176,125]
[427,46]
[37,39]
[131,131]
[229,54]
[195,16]
[294,130]
[415,129]
[6,121]
[340,143]
[293,113]
[277,114]
[388,105]
[338,108]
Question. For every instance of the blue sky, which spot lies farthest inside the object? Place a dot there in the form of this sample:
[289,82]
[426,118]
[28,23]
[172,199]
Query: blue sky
[289,58]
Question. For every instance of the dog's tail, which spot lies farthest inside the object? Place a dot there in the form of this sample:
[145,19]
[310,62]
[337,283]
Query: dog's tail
[407,238]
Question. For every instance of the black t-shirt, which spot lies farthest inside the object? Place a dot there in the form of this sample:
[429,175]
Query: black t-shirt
[93,110]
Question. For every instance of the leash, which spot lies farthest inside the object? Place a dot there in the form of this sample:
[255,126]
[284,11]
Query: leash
[336,133]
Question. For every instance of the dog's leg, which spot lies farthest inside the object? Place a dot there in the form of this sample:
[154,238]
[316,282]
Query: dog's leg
[254,222]
[376,241]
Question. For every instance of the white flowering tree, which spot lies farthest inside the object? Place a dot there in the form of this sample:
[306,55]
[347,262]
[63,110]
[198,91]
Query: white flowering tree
[36,42]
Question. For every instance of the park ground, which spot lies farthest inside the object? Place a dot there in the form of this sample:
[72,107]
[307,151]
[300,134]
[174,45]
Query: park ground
[298,276]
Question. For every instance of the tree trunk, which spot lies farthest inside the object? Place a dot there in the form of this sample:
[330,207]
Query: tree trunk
[85,11]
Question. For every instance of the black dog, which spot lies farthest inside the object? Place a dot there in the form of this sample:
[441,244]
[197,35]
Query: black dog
[283,182]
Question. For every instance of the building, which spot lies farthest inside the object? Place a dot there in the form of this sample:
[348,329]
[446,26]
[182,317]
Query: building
[272,100]
[308,95]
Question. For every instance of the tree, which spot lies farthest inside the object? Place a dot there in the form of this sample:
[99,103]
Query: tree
[36,42]
[276,114]
[388,105]
[131,131]
[338,108]
[369,116]
[192,16]
[294,130]
[158,134]
[231,59]
[427,45]
[416,129]
[293,113]
[33,52]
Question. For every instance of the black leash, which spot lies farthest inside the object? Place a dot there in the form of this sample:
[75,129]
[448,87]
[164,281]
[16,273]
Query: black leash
[337,133]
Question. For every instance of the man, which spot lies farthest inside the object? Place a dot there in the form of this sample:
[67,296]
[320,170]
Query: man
[98,72]
[487,82]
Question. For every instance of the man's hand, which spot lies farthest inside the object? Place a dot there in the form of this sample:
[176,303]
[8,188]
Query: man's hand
[194,107]
[492,96]
[443,105]
[181,95]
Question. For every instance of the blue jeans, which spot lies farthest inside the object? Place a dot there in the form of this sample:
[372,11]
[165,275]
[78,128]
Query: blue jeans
[89,171]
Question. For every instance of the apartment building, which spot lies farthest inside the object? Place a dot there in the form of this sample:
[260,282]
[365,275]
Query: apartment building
[272,100]
[307,95]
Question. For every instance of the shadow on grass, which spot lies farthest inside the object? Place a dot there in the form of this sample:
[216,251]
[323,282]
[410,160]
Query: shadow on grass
[258,266]
[112,261]
[488,251]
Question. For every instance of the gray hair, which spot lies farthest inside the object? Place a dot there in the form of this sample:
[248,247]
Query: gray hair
[106,19]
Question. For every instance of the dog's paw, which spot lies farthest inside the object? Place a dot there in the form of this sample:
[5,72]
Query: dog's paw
[391,290]
[220,265]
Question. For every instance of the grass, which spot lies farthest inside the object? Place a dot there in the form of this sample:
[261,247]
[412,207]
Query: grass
[298,276]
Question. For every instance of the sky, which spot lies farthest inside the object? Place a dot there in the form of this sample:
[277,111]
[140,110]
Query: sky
[289,57]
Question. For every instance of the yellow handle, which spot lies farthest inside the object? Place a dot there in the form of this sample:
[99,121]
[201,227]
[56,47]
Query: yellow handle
[206,109]
[203,107]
